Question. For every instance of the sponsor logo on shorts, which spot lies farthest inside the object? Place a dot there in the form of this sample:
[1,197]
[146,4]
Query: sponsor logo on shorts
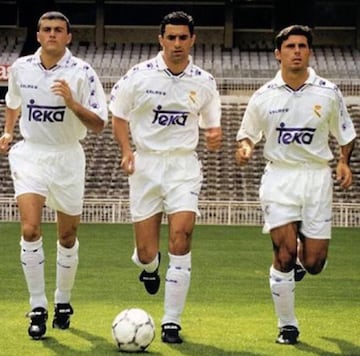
[301,136]
[43,113]
[169,117]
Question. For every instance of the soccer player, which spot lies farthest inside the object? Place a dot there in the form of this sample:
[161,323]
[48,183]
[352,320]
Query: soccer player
[58,97]
[161,104]
[296,112]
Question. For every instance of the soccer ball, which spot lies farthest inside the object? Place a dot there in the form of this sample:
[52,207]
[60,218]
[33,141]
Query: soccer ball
[133,330]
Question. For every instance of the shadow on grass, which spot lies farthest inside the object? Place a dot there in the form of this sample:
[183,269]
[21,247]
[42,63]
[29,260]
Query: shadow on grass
[190,348]
[344,346]
[99,345]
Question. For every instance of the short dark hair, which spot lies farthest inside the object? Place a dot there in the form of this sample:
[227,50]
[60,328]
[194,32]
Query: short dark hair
[177,18]
[284,34]
[54,15]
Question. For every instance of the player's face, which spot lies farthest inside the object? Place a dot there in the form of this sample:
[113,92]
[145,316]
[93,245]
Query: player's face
[294,53]
[176,43]
[53,36]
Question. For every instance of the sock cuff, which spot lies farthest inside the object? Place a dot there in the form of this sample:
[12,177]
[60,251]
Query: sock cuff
[68,251]
[148,267]
[274,273]
[31,245]
[182,261]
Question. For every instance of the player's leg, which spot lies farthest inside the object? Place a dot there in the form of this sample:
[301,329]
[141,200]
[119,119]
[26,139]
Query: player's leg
[66,192]
[30,191]
[146,252]
[146,207]
[33,260]
[178,275]
[181,205]
[316,224]
[299,271]
[67,259]
[282,283]
[314,254]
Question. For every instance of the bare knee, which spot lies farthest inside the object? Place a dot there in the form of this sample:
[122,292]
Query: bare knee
[67,238]
[146,254]
[180,242]
[30,232]
[314,254]
[284,259]
[314,266]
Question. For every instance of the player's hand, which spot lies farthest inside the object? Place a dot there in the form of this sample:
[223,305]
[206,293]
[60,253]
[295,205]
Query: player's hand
[61,87]
[343,175]
[5,141]
[213,138]
[243,153]
[128,163]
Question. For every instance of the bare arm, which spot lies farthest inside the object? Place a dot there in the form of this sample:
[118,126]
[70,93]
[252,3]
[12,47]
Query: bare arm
[11,117]
[121,134]
[92,121]
[343,171]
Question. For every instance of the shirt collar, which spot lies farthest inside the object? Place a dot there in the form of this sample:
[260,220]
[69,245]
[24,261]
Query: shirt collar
[62,62]
[162,65]
[310,80]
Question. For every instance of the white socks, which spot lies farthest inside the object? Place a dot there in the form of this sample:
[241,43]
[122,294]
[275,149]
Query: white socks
[282,286]
[149,267]
[177,284]
[66,266]
[33,261]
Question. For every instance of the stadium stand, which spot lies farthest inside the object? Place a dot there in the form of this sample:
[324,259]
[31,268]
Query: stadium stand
[115,59]
[223,179]
[230,193]
[10,48]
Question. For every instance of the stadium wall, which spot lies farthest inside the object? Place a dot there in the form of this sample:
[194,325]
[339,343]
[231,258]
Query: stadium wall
[212,212]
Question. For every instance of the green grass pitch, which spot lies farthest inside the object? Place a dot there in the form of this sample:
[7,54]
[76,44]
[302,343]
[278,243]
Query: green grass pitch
[229,310]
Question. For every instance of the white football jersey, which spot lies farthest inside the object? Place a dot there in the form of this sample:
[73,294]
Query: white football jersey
[164,110]
[297,124]
[44,117]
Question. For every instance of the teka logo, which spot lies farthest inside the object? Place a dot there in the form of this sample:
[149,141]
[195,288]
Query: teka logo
[302,136]
[42,113]
[169,117]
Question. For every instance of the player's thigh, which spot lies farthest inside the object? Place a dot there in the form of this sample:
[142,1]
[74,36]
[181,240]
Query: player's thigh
[284,239]
[66,189]
[30,208]
[314,250]
[147,234]
[280,197]
[317,209]
[146,198]
[27,170]
[183,184]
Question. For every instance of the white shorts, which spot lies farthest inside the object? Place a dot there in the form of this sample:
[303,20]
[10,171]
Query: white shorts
[164,182]
[302,193]
[55,172]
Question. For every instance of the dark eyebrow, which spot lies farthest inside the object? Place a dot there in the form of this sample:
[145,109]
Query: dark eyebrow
[173,37]
[291,44]
[57,28]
